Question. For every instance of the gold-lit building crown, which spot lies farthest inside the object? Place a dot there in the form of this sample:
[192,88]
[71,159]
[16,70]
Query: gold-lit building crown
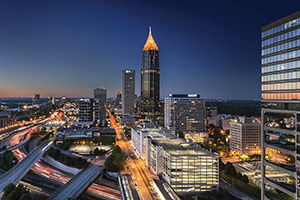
[150,44]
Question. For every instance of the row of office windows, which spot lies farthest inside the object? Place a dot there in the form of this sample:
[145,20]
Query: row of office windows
[280,57]
[279,67]
[281,86]
[281,47]
[281,27]
[281,37]
[281,96]
[282,76]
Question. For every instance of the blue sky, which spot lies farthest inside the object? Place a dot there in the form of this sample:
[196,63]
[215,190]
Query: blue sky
[68,48]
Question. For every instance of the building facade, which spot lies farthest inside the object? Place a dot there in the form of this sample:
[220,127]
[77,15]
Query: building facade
[150,79]
[185,112]
[118,98]
[281,104]
[128,90]
[245,136]
[36,99]
[188,169]
[100,94]
[88,110]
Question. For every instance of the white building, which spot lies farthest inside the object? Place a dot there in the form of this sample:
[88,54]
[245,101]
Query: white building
[245,136]
[184,165]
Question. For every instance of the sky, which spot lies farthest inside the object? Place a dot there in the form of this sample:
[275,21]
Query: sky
[68,48]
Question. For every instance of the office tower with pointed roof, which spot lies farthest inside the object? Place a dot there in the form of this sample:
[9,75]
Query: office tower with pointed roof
[150,78]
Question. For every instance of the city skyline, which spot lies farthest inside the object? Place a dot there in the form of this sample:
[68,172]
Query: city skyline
[61,49]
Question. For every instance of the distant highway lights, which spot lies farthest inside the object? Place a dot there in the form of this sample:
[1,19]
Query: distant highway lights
[13,162]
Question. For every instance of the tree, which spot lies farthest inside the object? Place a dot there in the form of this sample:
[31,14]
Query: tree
[239,176]
[181,134]
[8,189]
[233,172]
[228,168]
[221,164]
[13,196]
[26,197]
[245,179]
[96,151]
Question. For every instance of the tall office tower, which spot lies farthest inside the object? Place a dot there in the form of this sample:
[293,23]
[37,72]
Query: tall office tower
[88,110]
[280,112]
[36,99]
[118,97]
[100,94]
[245,136]
[128,90]
[150,74]
[185,112]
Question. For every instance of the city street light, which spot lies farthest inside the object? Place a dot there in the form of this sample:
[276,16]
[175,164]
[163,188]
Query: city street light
[13,161]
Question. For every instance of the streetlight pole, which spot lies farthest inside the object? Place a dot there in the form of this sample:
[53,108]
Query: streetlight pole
[13,161]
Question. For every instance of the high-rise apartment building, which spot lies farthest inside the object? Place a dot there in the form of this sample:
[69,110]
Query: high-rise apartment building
[150,75]
[88,110]
[128,90]
[100,94]
[185,113]
[280,113]
[245,136]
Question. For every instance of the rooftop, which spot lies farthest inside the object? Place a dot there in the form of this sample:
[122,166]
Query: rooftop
[150,43]
[156,132]
[180,147]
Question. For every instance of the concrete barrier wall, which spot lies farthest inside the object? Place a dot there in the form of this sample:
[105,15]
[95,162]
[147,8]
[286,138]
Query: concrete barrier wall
[61,166]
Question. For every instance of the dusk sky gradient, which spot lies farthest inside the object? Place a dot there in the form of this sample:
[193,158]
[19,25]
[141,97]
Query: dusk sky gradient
[68,48]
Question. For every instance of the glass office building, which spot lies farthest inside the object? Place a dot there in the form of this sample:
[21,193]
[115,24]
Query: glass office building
[281,107]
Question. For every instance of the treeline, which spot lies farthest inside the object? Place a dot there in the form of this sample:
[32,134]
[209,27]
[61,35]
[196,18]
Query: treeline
[66,159]
[10,192]
[7,159]
[237,107]
[116,161]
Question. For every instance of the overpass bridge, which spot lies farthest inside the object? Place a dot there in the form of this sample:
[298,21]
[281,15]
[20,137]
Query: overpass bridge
[15,174]
[79,183]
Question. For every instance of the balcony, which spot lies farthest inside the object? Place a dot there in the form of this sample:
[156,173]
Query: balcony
[289,169]
[286,187]
[282,144]
[282,130]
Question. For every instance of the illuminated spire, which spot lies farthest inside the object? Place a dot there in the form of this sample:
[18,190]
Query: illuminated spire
[150,44]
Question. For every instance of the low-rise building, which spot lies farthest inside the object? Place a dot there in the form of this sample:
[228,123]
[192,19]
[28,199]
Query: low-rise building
[183,165]
[245,136]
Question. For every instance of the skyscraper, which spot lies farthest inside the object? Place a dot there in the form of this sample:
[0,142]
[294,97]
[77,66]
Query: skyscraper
[185,113]
[100,94]
[128,90]
[280,114]
[150,75]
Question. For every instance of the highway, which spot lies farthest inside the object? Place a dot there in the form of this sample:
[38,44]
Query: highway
[137,168]
[15,174]
[77,185]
